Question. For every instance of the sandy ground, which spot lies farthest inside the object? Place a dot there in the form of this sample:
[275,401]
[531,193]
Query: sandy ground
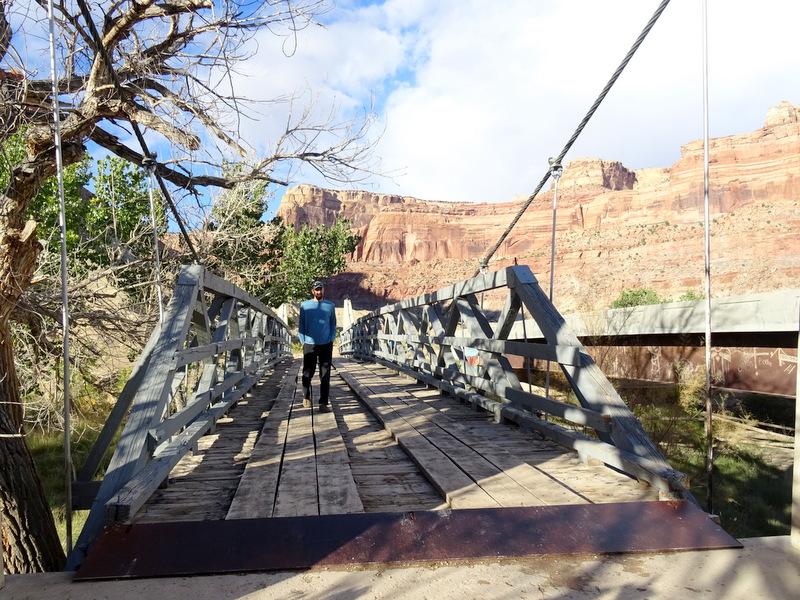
[764,568]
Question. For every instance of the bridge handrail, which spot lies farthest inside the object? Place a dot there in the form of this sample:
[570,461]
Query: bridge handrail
[419,337]
[215,342]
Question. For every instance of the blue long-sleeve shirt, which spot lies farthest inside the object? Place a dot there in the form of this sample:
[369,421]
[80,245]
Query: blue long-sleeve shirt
[317,322]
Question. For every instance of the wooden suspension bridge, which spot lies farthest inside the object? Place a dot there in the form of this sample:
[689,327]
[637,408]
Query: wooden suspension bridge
[434,449]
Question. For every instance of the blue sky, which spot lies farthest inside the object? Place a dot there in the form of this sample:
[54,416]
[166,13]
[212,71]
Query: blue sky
[473,97]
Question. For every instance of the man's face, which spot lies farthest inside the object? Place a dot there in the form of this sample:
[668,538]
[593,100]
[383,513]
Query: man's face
[318,293]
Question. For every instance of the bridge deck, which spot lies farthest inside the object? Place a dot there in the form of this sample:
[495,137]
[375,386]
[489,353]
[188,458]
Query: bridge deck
[389,444]
[279,486]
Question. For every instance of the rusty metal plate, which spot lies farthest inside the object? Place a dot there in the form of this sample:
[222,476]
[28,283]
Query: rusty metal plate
[236,546]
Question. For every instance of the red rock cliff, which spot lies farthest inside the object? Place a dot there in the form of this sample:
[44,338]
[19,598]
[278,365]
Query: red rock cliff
[616,228]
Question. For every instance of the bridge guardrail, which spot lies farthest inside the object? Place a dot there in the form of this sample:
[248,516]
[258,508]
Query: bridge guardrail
[420,337]
[215,342]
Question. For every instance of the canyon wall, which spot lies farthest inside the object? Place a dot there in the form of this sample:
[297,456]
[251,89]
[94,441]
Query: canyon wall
[616,228]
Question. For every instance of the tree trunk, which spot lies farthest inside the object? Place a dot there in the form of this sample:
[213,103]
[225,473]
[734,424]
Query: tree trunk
[30,540]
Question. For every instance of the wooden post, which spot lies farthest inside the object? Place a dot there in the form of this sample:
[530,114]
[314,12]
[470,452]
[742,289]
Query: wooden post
[795,536]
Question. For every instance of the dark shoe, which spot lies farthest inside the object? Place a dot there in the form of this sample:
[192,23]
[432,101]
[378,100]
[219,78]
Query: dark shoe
[306,402]
[323,408]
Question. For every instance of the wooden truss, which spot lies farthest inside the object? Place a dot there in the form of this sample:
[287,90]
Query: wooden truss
[447,340]
[214,344]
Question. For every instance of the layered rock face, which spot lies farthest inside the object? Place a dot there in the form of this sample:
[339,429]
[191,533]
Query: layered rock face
[616,228]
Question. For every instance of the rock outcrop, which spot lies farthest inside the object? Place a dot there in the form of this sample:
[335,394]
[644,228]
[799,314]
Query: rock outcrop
[616,228]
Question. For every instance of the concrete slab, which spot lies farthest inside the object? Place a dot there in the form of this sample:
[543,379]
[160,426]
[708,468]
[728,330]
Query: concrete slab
[764,568]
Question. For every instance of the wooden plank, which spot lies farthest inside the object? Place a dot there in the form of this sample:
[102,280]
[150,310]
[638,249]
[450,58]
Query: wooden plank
[455,486]
[543,487]
[386,478]
[297,487]
[507,479]
[132,496]
[670,482]
[548,459]
[384,470]
[219,459]
[255,496]
[337,488]
[504,490]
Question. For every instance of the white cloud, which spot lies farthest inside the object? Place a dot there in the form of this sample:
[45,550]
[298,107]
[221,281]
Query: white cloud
[476,96]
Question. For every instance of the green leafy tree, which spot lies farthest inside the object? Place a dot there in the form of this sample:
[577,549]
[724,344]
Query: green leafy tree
[296,258]
[270,260]
[120,211]
[106,229]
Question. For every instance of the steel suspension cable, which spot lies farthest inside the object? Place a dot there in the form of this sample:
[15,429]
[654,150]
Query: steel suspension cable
[558,160]
[556,170]
[709,406]
[62,221]
[145,151]
[151,169]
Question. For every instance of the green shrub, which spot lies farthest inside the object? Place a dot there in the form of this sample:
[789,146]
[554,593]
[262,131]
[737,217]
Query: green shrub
[690,295]
[637,297]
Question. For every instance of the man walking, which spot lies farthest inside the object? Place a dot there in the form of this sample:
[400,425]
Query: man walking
[317,330]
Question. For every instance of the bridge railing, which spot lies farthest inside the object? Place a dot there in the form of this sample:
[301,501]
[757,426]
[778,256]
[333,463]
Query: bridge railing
[215,342]
[446,339]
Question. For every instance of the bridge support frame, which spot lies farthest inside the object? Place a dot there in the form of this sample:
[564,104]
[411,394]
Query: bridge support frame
[215,342]
[447,340]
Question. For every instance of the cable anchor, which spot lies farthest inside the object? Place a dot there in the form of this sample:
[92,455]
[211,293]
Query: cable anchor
[555,168]
[149,162]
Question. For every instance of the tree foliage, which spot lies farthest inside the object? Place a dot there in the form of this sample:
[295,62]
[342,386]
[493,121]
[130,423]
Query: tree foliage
[637,297]
[690,296]
[270,260]
[233,235]
[296,258]
[106,230]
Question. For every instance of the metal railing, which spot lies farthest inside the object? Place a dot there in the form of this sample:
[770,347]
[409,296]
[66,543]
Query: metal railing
[446,339]
[215,342]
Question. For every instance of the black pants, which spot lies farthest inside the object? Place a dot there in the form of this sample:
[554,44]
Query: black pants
[311,354]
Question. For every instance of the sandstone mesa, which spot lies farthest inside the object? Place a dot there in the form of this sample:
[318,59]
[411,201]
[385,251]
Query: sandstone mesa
[616,228]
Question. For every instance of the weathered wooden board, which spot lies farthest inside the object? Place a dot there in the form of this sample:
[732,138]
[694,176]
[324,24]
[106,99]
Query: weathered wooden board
[551,472]
[358,466]
[255,495]
[508,480]
[208,478]
[301,462]
[503,490]
[337,489]
[297,485]
[456,487]
[375,458]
